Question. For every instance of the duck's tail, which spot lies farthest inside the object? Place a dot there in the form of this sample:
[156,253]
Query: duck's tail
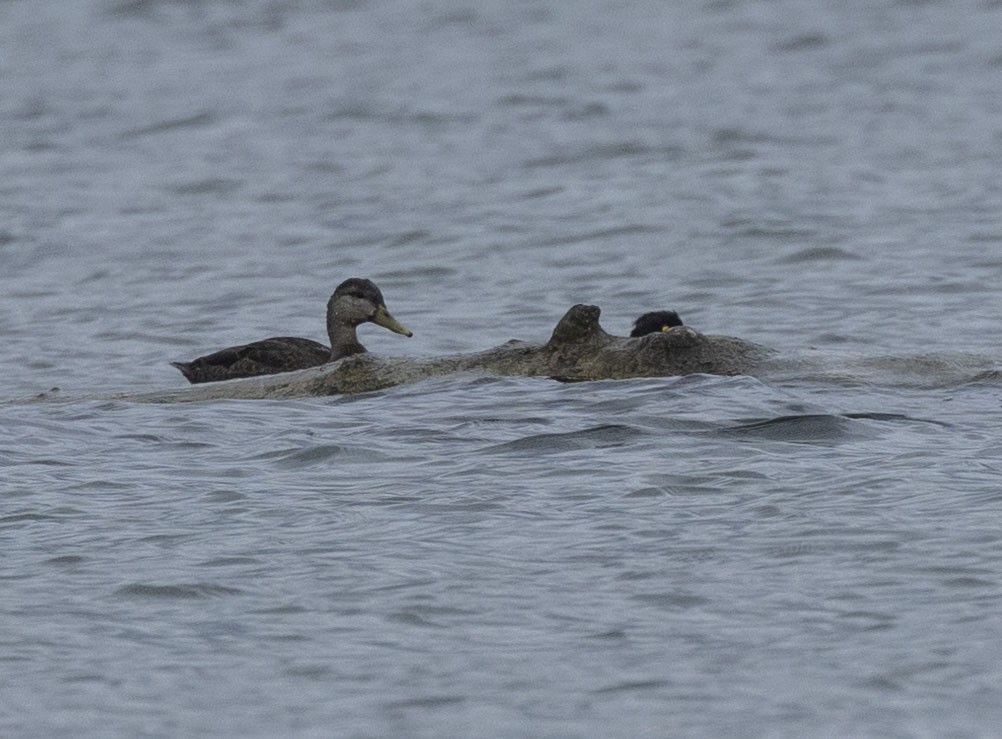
[186,370]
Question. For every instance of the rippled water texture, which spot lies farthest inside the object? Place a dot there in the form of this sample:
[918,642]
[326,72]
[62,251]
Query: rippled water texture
[816,553]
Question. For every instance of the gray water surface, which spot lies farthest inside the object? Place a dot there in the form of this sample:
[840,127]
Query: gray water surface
[481,556]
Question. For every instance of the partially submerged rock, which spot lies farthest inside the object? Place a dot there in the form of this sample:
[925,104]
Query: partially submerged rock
[578,349]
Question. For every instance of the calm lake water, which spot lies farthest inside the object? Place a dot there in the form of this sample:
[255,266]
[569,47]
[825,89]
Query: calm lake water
[482,556]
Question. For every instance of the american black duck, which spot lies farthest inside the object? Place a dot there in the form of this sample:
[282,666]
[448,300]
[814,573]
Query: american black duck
[355,301]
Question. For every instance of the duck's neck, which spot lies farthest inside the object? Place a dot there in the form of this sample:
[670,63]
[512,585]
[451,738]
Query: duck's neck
[344,342]
[342,335]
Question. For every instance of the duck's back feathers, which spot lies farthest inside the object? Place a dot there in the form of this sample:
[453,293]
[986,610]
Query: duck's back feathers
[265,357]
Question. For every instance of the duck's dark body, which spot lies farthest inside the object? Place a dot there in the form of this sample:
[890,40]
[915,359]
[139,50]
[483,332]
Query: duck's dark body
[265,357]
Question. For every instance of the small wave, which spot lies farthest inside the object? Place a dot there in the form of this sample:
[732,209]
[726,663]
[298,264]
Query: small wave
[429,272]
[777,232]
[596,437]
[230,562]
[600,234]
[208,186]
[988,377]
[171,124]
[631,686]
[605,151]
[541,192]
[359,111]
[175,592]
[802,42]
[408,237]
[306,456]
[736,135]
[54,514]
[809,428]
[66,560]
[517,100]
[800,429]
[819,254]
[430,701]
[672,601]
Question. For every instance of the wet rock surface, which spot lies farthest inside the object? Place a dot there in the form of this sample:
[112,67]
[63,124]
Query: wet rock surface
[578,349]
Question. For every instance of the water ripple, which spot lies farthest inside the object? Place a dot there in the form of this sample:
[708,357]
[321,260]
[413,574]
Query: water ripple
[596,437]
[175,592]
